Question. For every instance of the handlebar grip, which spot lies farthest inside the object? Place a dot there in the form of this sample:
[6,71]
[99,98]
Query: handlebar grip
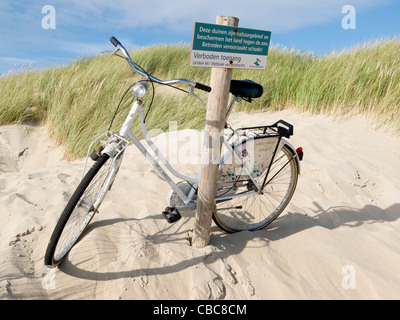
[114,41]
[202,87]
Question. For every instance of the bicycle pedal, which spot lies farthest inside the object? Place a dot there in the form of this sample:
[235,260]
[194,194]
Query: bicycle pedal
[171,214]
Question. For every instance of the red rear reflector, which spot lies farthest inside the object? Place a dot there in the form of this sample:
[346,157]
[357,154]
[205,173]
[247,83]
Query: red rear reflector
[300,153]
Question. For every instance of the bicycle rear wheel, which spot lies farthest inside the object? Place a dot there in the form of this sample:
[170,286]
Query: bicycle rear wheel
[81,208]
[254,211]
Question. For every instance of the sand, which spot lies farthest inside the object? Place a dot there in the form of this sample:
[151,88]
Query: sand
[338,238]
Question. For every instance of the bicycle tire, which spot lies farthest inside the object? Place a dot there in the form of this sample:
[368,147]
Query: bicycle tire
[56,249]
[243,214]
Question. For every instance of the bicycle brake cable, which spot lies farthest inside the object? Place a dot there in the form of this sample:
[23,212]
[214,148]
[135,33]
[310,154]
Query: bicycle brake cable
[119,104]
[152,98]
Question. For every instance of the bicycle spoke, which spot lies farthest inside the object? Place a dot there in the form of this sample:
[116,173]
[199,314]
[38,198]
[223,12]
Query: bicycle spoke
[259,209]
[80,211]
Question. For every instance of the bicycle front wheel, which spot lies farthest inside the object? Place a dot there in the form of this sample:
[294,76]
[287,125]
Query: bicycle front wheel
[81,208]
[249,210]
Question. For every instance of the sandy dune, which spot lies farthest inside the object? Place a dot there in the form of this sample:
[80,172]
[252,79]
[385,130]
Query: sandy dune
[338,239]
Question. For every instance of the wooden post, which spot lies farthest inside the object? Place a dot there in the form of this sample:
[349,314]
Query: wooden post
[211,153]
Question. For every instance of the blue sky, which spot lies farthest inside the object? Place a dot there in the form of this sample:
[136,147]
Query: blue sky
[83,27]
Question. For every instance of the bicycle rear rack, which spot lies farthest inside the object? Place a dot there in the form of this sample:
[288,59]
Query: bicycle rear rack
[280,128]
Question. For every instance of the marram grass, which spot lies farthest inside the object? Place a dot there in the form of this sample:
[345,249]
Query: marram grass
[78,101]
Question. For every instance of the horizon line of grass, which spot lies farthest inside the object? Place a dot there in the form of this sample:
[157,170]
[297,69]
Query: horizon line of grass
[77,101]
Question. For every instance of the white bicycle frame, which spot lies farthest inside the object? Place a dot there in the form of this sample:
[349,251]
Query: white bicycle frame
[137,109]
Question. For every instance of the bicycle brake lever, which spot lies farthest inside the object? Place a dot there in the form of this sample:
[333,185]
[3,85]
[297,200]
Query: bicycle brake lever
[115,51]
[112,53]
[191,93]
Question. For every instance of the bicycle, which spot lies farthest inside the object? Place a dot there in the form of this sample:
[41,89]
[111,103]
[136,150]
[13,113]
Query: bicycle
[257,174]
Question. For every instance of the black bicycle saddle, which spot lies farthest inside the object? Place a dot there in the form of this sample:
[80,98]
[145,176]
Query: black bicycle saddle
[246,89]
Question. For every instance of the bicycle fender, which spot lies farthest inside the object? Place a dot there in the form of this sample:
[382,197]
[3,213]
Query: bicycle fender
[294,152]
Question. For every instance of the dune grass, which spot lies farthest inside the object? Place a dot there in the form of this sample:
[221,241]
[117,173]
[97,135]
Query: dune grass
[78,101]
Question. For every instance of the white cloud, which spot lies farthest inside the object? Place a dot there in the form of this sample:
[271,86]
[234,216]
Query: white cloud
[82,24]
[178,15]
[80,48]
[16,61]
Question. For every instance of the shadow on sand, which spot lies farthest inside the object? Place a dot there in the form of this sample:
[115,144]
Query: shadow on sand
[228,244]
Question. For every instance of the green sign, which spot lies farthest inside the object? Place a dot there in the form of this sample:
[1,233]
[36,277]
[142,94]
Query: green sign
[219,46]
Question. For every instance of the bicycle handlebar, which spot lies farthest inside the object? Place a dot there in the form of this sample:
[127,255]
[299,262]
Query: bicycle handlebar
[114,41]
[202,87]
[119,46]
